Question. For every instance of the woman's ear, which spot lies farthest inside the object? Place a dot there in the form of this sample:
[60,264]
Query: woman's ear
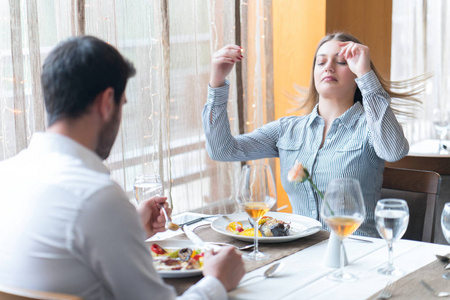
[106,104]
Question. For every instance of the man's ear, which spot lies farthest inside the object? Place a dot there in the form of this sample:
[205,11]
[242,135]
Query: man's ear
[106,104]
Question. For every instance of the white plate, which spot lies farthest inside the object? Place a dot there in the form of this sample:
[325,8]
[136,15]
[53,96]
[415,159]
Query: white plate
[300,226]
[176,244]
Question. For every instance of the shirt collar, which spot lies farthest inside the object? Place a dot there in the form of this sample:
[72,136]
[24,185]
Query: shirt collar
[347,119]
[313,115]
[352,115]
[49,142]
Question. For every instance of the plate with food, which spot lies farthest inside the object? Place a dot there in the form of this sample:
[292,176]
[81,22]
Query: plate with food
[176,258]
[274,227]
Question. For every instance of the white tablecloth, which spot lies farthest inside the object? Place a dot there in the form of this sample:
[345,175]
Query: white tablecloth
[305,276]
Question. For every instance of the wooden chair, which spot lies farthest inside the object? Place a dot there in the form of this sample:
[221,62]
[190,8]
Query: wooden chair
[13,293]
[420,189]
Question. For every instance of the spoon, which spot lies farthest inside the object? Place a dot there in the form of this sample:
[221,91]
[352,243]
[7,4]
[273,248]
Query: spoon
[433,291]
[270,272]
[443,258]
[169,224]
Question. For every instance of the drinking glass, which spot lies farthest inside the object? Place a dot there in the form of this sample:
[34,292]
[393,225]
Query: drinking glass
[441,122]
[392,217]
[343,211]
[147,186]
[256,195]
[445,225]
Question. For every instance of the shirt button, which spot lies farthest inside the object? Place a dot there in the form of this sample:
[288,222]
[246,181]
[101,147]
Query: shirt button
[311,194]
[363,90]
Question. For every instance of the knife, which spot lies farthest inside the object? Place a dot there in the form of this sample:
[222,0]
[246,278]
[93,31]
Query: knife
[198,242]
[196,220]
[447,267]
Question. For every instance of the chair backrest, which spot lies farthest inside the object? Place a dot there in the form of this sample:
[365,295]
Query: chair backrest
[14,293]
[420,189]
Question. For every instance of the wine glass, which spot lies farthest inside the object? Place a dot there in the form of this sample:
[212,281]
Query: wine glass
[147,186]
[441,122]
[392,217]
[256,195]
[445,225]
[343,211]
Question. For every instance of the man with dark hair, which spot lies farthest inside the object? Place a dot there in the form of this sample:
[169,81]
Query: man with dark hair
[65,226]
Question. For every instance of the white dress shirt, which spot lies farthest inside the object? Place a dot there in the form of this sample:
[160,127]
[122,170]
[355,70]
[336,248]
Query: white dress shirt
[66,227]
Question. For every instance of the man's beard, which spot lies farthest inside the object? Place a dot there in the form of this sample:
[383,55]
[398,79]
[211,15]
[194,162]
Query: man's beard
[108,135]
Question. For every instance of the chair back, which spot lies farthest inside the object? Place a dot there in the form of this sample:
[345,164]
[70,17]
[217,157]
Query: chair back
[14,293]
[420,189]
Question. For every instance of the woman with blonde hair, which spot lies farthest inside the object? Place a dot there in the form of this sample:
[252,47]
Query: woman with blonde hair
[350,132]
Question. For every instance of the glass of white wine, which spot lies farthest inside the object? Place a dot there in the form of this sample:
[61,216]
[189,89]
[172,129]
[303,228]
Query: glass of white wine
[256,195]
[343,211]
[147,186]
[445,225]
[392,218]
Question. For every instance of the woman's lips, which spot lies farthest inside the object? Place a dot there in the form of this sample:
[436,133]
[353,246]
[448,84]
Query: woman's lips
[329,78]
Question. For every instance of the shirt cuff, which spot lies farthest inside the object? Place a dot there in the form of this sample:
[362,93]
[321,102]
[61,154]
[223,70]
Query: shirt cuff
[212,288]
[218,96]
[369,83]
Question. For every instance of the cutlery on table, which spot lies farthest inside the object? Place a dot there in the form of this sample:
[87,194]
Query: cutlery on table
[443,258]
[270,272]
[246,247]
[198,242]
[359,239]
[388,291]
[196,220]
[169,224]
[433,291]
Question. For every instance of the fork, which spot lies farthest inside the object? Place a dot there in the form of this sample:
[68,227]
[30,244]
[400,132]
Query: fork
[388,290]
[246,247]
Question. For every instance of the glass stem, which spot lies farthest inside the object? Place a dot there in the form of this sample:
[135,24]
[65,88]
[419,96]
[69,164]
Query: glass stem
[390,254]
[255,226]
[341,257]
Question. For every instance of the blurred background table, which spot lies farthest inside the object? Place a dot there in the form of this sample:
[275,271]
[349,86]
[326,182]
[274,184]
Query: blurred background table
[425,155]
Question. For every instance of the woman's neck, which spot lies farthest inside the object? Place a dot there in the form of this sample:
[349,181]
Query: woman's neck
[330,109]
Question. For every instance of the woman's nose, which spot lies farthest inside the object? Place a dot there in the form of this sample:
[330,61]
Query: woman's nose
[329,68]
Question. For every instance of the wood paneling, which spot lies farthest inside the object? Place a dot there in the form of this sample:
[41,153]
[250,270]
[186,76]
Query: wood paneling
[370,21]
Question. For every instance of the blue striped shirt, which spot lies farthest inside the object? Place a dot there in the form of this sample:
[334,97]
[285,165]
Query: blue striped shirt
[356,146]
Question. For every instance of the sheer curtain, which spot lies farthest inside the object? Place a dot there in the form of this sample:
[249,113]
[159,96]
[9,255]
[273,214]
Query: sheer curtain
[170,43]
[257,70]
[420,43]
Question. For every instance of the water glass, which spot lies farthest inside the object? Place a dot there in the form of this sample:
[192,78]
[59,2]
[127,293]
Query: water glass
[147,186]
[441,122]
[392,218]
[445,225]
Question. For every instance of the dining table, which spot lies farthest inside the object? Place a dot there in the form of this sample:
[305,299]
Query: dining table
[305,273]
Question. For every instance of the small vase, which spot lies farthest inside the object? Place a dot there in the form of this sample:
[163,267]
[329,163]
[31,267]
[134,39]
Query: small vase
[333,254]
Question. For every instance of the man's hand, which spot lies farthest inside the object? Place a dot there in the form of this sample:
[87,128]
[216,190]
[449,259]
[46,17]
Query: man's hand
[226,265]
[152,218]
